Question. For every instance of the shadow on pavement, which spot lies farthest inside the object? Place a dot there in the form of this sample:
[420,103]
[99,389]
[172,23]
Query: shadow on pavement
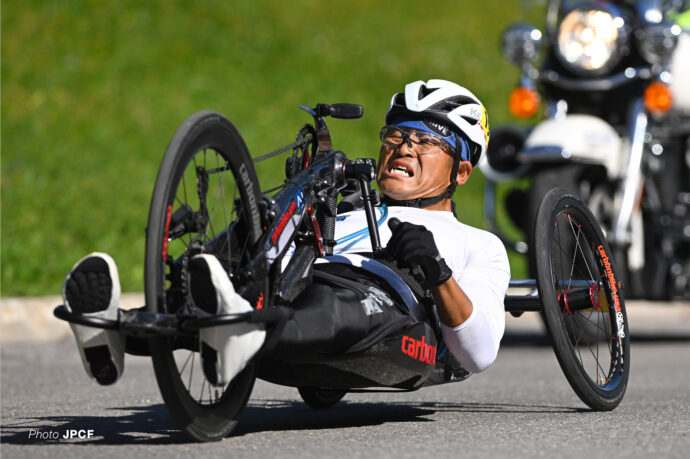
[537,339]
[152,425]
[277,415]
[144,425]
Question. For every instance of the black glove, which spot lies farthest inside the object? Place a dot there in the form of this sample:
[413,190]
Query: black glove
[413,247]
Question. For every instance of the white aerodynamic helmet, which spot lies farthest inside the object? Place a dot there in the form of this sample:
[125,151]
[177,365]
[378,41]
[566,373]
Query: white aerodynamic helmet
[451,105]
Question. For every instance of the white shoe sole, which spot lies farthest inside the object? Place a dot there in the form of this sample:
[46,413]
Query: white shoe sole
[101,351]
[226,349]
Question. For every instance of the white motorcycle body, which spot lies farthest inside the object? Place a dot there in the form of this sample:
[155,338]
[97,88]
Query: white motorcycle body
[680,74]
[575,138]
[587,139]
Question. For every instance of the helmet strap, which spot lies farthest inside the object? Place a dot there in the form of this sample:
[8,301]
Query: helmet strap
[419,202]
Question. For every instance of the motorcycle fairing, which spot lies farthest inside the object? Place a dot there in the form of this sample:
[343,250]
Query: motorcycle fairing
[575,138]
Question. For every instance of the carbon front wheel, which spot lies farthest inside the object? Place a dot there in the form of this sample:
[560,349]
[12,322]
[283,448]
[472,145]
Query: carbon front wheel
[580,292]
[206,200]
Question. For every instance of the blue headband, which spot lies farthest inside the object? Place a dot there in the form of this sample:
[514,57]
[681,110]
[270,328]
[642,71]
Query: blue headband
[450,138]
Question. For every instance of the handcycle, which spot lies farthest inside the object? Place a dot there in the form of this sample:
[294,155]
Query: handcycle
[207,199]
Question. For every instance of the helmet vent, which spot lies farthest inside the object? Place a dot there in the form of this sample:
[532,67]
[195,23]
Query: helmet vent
[425,91]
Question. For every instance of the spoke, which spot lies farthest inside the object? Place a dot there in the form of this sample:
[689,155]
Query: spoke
[578,248]
[571,328]
[219,195]
[576,344]
[234,199]
[596,338]
[561,253]
[577,243]
[210,394]
[201,392]
[596,324]
[185,363]
[596,360]
[191,370]
[579,271]
[243,250]
[184,186]
[218,192]
[226,219]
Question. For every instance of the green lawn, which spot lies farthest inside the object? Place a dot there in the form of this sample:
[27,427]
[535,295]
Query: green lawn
[92,91]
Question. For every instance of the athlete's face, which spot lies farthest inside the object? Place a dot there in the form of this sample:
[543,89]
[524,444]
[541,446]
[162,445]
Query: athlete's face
[412,170]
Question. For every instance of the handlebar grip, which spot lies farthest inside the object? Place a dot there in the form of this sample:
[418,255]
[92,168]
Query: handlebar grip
[347,111]
[415,268]
[362,168]
[418,274]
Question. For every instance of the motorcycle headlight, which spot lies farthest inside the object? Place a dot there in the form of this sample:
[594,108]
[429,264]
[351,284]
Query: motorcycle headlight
[592,39]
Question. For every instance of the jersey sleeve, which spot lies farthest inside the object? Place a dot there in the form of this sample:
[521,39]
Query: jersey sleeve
[484,280]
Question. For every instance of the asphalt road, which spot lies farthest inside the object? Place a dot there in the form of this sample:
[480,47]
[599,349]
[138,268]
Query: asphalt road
[520,407]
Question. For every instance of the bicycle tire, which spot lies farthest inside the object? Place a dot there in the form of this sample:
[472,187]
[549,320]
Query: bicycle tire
[569,177]
[208,149]
[320,399]
[571,248]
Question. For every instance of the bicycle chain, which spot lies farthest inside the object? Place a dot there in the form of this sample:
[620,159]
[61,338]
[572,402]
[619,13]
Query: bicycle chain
[201,219]
[296,144]
[305,136]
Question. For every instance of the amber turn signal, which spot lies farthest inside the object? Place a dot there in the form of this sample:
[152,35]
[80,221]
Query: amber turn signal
[658,97]
[523,102]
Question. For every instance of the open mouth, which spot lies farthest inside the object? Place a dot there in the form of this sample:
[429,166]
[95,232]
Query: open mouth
[400,171]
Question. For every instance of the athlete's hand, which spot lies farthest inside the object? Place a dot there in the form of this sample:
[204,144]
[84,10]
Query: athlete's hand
[413,247]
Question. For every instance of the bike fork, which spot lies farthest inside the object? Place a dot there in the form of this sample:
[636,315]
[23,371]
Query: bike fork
[631,187]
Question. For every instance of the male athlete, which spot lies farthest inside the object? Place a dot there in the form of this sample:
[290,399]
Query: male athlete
[435,133]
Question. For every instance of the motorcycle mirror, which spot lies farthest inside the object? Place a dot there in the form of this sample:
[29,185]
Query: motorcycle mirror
[657,42]
[502,161]
[521,43]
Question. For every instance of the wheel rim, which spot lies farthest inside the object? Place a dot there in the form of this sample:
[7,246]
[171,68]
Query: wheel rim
[588,302]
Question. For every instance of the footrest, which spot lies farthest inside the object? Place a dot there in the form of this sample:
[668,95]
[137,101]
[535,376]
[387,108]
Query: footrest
[268,315]
[150,324]
[62,313]
[132,322]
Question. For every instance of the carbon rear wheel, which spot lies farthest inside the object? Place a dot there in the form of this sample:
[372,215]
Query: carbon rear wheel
[206,200]
[320,399]
[580,292]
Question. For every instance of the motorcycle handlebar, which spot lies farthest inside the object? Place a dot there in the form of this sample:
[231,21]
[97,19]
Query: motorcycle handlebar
[599,84]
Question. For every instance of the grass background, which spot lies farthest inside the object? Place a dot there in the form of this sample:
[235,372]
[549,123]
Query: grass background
[92,91]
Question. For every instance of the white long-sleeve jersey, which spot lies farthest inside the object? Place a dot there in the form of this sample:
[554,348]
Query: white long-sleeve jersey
[479,263]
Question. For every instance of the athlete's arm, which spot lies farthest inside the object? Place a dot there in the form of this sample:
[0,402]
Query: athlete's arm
[474,340]
[452,305]
[469,305]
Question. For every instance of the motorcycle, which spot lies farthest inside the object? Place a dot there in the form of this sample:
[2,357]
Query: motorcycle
[614,78]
